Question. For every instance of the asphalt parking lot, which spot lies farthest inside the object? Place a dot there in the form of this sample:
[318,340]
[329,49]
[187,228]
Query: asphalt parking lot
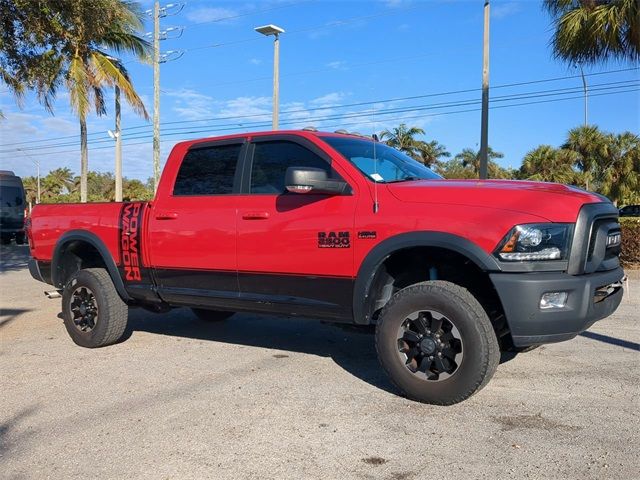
[266,397]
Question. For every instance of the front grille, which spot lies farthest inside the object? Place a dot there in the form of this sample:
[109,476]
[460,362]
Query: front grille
[591,251]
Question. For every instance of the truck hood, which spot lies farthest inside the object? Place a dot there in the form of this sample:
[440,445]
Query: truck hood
[552,201]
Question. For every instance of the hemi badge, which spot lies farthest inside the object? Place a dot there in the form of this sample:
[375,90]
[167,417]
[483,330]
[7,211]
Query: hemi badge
[613,240]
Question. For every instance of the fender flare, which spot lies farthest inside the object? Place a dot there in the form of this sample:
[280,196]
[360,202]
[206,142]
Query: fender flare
[95,241]
[374,259]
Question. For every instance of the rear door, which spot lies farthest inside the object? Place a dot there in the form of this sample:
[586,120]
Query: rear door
[294,250]
[192,231]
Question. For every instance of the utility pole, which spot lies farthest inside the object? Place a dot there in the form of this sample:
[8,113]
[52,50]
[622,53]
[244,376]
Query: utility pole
[484,127]
[156,94]
[118,138]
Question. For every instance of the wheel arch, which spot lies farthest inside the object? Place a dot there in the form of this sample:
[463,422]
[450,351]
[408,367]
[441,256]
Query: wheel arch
[368,273]
[79,242]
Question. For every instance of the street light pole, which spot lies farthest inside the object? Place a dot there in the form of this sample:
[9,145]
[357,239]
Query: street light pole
[275,31]
[118,169]
[276,81]
[586,95]
[484,127]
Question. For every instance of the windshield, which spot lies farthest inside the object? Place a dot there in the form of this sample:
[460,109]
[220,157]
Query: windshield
[380,162]
[10,196]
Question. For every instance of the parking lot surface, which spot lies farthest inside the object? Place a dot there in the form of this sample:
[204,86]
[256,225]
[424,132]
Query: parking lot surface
[267,397]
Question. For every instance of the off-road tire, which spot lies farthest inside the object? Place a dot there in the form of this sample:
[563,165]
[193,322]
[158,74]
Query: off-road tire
[112,316]
[481,349]
[211,315]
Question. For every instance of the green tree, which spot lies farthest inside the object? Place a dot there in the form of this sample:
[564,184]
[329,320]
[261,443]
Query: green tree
[548,164]
[590,145]
[617,175]
[136,190]
[72,39]
[595,31]
[454,168]
[431,153]
[470,158]
[403,138]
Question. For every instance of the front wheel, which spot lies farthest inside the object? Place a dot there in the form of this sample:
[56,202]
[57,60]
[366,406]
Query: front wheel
[436,343]
[20,238]
[94,314]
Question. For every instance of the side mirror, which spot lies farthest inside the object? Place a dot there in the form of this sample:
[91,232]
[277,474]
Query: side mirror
[312,180]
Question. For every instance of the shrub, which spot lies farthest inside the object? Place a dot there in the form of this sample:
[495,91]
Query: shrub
[630,255]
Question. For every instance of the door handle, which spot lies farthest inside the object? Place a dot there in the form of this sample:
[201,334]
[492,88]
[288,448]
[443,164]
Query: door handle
[255,216]
[166,216]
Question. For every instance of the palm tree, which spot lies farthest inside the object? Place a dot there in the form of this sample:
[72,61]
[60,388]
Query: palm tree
[548,164]
[471,159]
[590,145]
[594,31]
[431,153]
[618,174]
[92,27]
[403,139]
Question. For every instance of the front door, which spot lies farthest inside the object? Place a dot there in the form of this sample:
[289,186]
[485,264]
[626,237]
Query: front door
[294,250]
[192,231]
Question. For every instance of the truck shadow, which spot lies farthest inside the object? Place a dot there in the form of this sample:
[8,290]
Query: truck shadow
[350,347]
[13,258]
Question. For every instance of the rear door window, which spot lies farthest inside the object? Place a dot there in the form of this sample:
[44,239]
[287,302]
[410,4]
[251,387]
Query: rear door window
[208,171]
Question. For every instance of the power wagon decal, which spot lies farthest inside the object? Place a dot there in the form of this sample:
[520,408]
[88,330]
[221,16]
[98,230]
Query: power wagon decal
[130,235]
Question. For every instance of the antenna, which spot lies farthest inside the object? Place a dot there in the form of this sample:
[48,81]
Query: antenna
[376,206]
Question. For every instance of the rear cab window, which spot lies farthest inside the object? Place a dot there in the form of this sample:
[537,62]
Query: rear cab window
[208,171]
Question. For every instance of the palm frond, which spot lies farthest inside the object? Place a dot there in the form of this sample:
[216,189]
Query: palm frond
[112,72]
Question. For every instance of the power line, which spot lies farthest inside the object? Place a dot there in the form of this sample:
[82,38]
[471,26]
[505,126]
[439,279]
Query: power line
[431,106]
[257,125]
[348,105]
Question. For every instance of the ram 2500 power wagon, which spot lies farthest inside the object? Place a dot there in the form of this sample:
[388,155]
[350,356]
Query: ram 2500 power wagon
[347,229]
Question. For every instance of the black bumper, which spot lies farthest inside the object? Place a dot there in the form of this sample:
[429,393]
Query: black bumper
[41,271]
[520,295]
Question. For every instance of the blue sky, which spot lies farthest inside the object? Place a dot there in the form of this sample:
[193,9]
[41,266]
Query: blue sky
[335,54]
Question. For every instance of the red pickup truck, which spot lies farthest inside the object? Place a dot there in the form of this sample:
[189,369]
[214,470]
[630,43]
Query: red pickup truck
[348,229]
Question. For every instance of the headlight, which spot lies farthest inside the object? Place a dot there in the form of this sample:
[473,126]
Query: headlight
[536,241]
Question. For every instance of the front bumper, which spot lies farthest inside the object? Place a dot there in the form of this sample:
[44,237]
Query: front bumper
[529,325]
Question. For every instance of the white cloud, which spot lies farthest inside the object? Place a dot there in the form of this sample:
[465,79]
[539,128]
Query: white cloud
[328,99]
[191,105]
[255,61]
[504,10]
[60,125]
[211,14]
[337,65]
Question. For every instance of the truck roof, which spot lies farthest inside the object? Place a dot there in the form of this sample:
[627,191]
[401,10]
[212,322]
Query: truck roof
[305,132]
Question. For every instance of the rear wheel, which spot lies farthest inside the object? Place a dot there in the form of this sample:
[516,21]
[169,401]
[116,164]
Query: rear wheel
[211,315]
[5,239]
[20,238]
[436,343]
[94,314]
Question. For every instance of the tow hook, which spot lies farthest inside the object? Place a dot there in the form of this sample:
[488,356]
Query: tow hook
[53,294]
